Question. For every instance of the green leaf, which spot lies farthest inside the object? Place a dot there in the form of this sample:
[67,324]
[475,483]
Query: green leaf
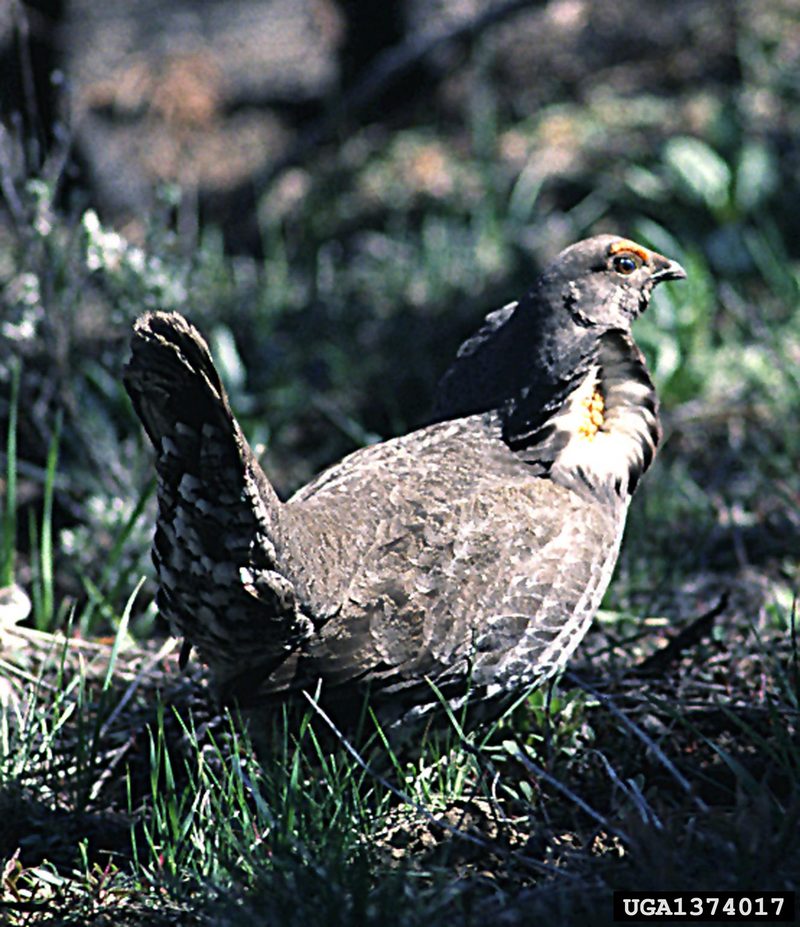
[756,177]
[700,172]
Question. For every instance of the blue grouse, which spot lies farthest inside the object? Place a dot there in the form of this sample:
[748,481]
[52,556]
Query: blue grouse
[469,555]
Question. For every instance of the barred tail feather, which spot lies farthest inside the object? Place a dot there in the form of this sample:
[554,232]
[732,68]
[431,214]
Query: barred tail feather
[217,540]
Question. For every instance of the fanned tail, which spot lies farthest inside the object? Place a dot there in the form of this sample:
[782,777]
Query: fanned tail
[217,541]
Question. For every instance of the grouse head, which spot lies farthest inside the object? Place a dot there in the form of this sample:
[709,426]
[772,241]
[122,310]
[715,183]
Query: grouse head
[603,282]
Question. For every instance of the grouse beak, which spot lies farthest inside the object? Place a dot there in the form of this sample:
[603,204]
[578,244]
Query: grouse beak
[666,269]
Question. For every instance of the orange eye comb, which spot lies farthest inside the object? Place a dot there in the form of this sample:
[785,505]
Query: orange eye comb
[631,247]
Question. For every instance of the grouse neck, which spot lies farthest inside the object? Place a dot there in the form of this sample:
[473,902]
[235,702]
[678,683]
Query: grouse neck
[597,431]
[522,355]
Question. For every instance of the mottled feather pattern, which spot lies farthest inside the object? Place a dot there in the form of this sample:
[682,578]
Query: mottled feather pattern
[469,555]
[419,590]
[214,546]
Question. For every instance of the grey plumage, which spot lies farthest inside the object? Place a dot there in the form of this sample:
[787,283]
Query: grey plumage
[473,552]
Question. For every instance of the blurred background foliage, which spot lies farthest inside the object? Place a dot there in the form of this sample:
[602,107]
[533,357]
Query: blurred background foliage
[337,193]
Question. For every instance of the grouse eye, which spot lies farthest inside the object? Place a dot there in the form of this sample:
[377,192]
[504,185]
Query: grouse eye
[626,264]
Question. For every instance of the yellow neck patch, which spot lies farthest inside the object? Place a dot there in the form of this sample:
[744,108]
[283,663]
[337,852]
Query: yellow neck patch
[594,415]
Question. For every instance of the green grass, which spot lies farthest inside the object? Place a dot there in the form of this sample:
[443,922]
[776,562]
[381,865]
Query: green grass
[42,543]
[9,541]
[140,803]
